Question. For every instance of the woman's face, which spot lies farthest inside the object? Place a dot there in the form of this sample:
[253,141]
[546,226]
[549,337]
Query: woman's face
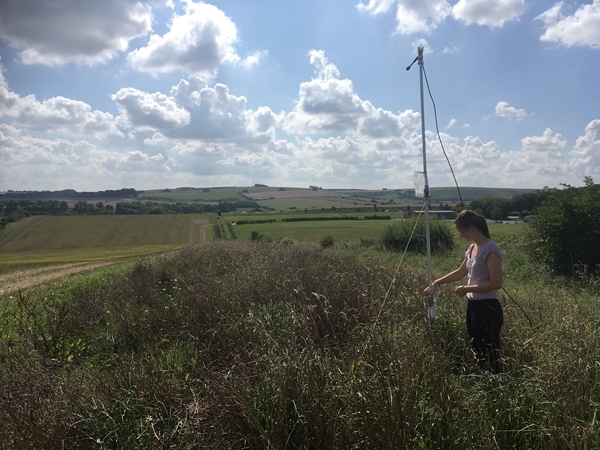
[466,232]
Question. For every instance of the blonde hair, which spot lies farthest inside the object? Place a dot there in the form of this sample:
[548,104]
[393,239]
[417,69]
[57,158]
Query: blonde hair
[467,218]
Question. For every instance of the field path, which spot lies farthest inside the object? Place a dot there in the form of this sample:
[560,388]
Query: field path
[26,279]
[198,231]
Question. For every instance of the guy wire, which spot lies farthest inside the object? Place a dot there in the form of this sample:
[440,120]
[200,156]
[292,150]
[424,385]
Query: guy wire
[387,294]
[437,129]
[456,182]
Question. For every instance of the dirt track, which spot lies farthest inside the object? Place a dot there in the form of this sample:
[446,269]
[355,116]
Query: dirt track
[26,279]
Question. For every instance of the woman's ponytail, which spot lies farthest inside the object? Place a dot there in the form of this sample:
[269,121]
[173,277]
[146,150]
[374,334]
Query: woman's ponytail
[467,218]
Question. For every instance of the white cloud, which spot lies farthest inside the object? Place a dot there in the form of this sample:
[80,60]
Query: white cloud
[540,158]
[509,112]
[62,31]
[451,49]
[254,59]
[150,111]
[54,115]
[489,13]
[328,104]
[586,153]
[376,6]
[198,42]
[544,146]
[422,43]
[421,16]
[194,110]
[413,16]
[451,123]
[580,29]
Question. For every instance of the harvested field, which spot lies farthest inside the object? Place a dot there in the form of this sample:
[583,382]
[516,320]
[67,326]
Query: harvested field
[42,249]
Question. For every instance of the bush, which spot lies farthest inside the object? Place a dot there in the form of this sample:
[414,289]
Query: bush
[564,230]
[327,242]
[399,236]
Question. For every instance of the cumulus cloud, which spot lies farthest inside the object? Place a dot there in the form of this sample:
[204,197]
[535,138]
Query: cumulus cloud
[52,32]
[540,157]
[54,115]
[586,153]
[582,28]
[412,16]
[485,12]
[509,112]
[328,104]
[199,41]
[425,15]
[195,110]
[150,111]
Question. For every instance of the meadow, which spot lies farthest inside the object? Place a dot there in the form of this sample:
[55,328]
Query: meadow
[243,345]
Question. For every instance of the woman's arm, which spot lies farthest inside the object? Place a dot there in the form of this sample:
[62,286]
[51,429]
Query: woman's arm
[455,275]
[494,264]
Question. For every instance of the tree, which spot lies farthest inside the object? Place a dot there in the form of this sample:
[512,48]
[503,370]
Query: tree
[496,213]
[565,230]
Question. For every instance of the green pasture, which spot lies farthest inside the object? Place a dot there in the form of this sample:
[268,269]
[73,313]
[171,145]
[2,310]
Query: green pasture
[92,238]
[340,230]
[314,203]
[471,193]
[290,214]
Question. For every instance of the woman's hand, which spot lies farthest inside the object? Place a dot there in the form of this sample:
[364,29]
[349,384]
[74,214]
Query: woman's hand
[428,291]
[461,291]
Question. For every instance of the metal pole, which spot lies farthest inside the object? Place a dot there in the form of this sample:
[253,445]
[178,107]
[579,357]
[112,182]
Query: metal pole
[431,297]
[429,277]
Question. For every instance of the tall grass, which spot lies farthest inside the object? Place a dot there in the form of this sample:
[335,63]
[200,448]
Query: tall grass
[256,345]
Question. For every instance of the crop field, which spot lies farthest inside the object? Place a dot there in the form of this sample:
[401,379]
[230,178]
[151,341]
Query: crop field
[46,247]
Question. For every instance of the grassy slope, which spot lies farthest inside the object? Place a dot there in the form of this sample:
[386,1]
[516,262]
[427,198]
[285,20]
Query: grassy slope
[239,345]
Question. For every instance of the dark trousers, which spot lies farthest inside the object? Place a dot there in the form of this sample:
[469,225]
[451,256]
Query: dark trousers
[484,320]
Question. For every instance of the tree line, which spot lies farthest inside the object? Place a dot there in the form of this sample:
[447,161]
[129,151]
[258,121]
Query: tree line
[499,208]
[69,194]
[14,210]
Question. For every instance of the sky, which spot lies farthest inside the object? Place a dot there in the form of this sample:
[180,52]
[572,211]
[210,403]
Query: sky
[152,94]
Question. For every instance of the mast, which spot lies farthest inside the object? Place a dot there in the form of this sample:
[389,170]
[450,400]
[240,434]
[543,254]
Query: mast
[426,191]
[431,300]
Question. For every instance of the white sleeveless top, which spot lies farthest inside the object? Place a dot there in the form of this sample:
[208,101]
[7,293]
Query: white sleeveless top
[478,270]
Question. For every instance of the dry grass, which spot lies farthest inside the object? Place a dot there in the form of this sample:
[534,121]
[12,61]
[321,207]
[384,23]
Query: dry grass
[240,345]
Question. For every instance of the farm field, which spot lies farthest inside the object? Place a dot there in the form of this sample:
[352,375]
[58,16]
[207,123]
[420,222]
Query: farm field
[44,247]
[341,230]
[194,195]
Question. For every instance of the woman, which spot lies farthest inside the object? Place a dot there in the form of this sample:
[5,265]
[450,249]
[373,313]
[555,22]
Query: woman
[483,265]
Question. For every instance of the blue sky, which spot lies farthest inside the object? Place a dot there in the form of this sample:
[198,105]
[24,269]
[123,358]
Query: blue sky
[170,93]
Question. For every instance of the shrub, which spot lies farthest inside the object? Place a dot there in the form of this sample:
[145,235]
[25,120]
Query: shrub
[327,241]
[564,230]
[399,236]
